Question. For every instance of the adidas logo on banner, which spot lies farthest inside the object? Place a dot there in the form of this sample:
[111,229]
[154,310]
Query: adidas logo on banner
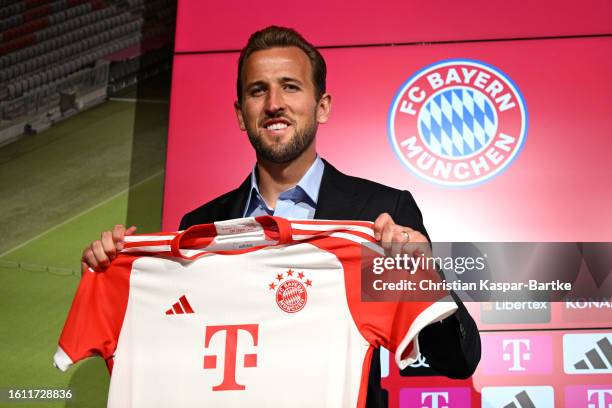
[523,400]
[594,359]
[180,307]
[587,353]
[518,397]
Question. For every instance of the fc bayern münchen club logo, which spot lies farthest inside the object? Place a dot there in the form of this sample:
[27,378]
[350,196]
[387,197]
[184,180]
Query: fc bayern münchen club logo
[291,296]
[458,122]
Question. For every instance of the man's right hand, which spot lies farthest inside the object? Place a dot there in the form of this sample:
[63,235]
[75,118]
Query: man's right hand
[100,253]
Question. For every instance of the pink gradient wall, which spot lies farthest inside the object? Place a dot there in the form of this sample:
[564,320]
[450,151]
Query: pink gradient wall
[557,188]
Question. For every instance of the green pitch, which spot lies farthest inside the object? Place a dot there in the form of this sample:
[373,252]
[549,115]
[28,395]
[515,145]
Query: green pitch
[58,190]
[35,300]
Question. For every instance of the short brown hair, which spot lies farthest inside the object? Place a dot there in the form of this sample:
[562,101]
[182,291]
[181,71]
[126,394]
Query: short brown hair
[274,36]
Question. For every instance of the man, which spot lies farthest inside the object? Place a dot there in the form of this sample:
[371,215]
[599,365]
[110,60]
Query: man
[281,101]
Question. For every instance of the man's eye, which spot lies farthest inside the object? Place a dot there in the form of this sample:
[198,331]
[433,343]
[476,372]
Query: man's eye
[256,91]
[292,88]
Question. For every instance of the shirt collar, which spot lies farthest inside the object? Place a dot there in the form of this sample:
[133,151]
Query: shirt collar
[309,184]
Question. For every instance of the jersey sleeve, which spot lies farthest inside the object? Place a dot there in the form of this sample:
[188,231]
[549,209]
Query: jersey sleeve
[96,315]
[394,325]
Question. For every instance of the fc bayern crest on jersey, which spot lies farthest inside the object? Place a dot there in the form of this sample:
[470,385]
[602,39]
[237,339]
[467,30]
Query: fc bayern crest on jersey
[458,122]
[291,290]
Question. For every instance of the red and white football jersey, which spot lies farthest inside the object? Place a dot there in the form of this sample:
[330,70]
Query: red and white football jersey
[258,311]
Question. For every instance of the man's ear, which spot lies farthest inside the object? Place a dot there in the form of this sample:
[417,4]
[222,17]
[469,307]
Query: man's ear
[324,108]
[239,116]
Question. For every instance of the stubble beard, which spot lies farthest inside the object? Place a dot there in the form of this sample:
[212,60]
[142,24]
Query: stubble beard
[283,153]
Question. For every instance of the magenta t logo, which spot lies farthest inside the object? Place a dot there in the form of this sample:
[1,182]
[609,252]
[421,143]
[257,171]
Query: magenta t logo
[598,398]
[505,354]
[451,397]
[435,399]
[516,351]
[588,396]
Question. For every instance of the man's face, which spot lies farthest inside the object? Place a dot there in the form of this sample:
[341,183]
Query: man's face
[279,110]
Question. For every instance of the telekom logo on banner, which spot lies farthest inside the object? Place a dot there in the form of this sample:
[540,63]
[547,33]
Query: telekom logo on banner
[588,396]
[458,122]
[517,351]
[451,397]
[516,354]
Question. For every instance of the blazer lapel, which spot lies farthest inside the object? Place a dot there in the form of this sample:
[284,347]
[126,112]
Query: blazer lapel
[336,198]
[237,202]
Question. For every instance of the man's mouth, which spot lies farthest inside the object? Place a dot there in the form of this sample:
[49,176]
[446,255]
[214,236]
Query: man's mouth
[276,124]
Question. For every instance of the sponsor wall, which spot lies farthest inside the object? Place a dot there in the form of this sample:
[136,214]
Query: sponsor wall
[499,140]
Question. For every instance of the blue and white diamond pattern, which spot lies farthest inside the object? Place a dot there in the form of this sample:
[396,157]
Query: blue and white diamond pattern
[457,122]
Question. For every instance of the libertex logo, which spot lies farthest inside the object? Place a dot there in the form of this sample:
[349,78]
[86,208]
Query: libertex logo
[516,354]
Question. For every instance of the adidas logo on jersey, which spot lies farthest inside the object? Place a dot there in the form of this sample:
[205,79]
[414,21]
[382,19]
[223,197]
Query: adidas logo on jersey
[180,307]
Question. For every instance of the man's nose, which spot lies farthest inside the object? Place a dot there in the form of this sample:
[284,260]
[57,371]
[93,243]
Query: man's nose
[275,100]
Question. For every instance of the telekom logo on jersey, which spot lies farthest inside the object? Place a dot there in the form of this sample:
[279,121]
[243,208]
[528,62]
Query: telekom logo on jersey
[230,351]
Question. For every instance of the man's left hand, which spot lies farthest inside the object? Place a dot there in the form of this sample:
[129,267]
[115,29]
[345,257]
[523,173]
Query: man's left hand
[397,239]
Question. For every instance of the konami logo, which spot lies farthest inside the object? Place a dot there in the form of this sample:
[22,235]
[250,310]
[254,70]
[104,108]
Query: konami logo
[587,309]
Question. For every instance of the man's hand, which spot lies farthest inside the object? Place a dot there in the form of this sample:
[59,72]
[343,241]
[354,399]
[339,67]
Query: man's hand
[397,239]
[100,253]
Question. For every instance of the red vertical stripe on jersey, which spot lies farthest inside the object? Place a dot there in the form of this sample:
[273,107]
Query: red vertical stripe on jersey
[365,376]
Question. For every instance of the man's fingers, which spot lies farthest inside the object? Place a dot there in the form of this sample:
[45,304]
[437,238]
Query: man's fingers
[99,254]
[119,233]
[108,244]
[386,239]
[398,242]
[379,225]
[131,230]
[89,259]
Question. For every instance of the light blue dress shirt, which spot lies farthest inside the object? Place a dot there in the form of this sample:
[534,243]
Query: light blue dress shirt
[298,202]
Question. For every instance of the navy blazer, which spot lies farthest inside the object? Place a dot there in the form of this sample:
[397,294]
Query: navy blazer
[452,346]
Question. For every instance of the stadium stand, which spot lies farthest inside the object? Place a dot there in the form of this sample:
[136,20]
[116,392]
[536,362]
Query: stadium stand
[58,57]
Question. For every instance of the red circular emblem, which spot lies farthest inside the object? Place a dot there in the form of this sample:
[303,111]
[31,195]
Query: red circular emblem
[458,122]
[291,296]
